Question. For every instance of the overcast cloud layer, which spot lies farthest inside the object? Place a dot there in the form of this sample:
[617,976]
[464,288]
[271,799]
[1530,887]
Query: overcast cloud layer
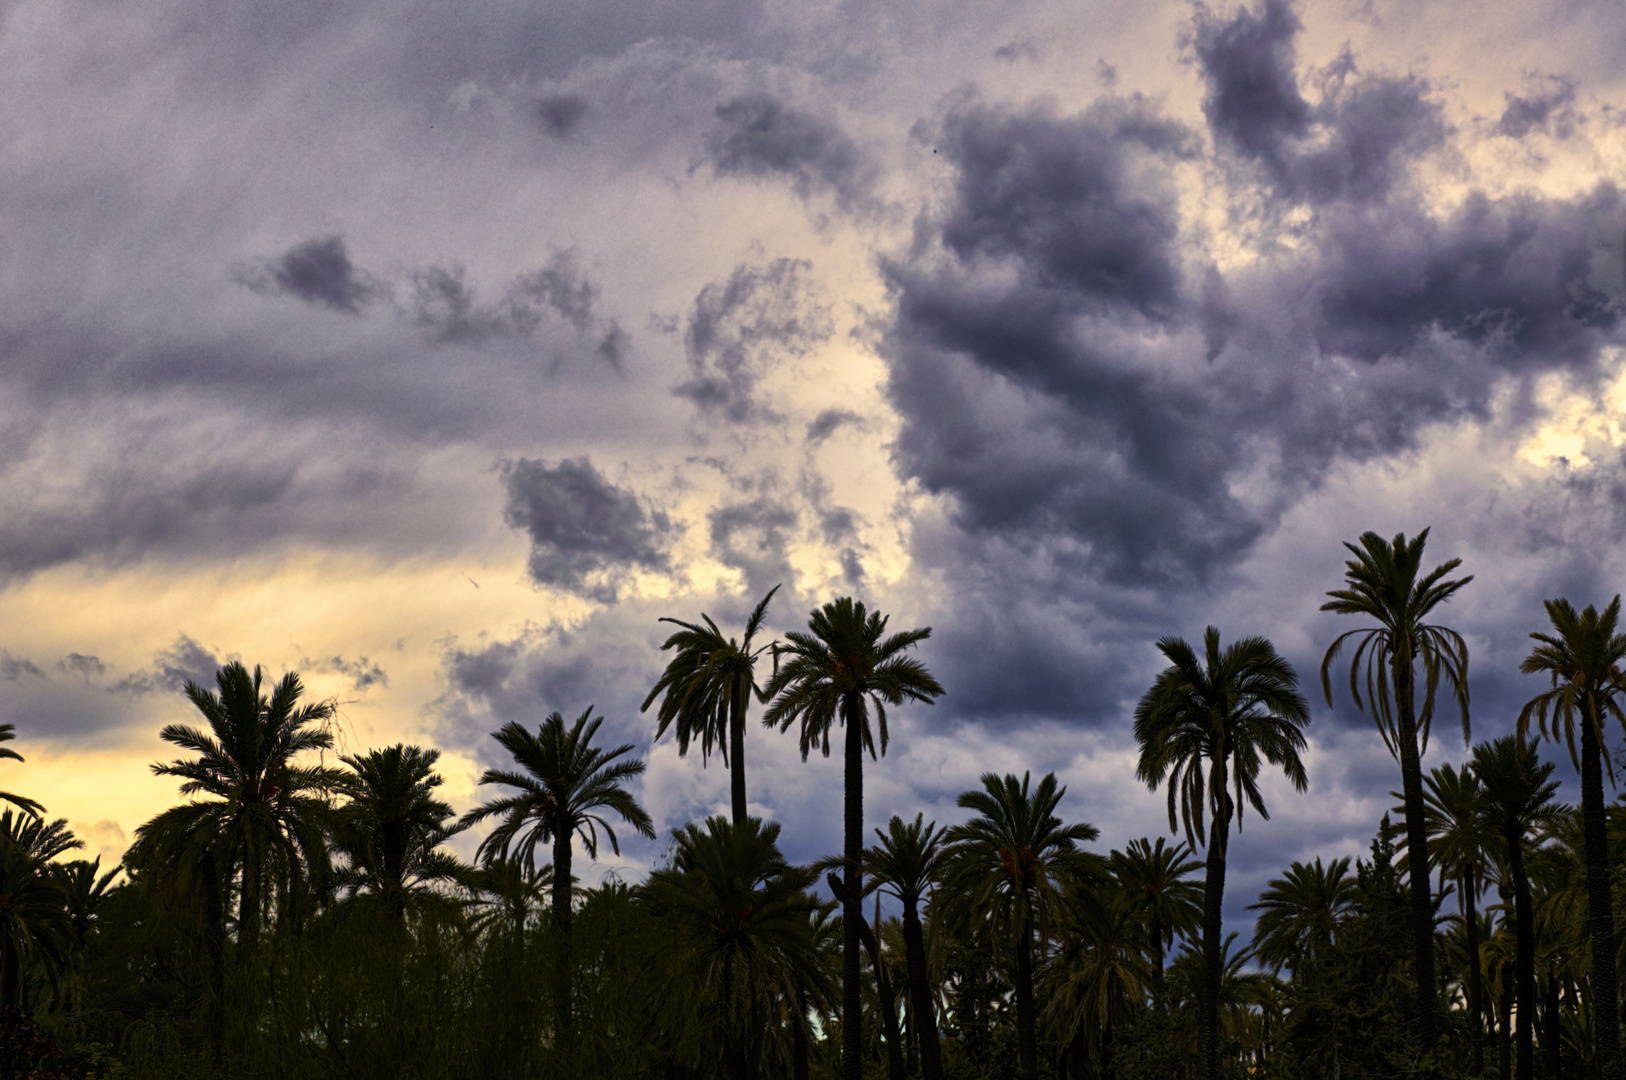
[440,354]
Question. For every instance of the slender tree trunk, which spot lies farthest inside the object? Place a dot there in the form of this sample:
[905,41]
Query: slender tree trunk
[852,913]
[736,750]
[733,1045]
[1524,961]
[1157,963]
[1600,915]
[1552,1030]
[1476,984]
[1027,1026]
[1422,898]
[798,1037]
[248,909]
[920,989]
[1208,1050]
[565,1033]
[1504,1031]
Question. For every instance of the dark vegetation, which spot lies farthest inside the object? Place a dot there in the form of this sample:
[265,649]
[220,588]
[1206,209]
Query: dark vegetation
[289,919]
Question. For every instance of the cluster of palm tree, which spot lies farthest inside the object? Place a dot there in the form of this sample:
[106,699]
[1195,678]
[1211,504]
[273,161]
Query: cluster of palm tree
[295,917]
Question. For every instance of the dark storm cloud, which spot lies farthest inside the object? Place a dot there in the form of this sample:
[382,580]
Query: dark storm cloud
[444,304]
[1548,109]
[586,534]
[318,272]
[761,136]
[1355,144]
[560,114]
[740,328]
[172,668]
[362,672]
[754,537]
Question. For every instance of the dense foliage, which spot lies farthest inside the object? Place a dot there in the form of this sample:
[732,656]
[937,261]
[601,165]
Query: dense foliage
[289,919]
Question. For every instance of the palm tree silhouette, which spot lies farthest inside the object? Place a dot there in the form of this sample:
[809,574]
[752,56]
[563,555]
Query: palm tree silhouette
[1517,794]
[1299,914]
[836,672]
[1585,657]
[740,918]
[1205,726]
[1154,876]
[34,921]
[906,864]
[7,733]
[265,814]
[1456,844]
[708,684]
[1009,867]
[1383,585]
[391,831]
[565,782]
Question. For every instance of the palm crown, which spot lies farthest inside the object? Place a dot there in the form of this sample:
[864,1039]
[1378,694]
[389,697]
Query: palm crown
[1585,657]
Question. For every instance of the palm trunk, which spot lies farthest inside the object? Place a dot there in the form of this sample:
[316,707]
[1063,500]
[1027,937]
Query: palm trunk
[564,1029]
[852,914]
[1213,927]
[1504,1031]
[920,991]
[1422,898]
[1157,963]
[1600,917]
[1552,1034]
[736,751]
[248,909]
[1027,1026]
[1524,964]
[1476,984]
[733,1044]
[798,1037]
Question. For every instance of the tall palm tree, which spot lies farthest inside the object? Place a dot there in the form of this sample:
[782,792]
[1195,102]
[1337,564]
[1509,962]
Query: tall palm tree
[1154,877]
[1456,844]
[1585,656]
[1299,916]
[739,917]
[708,685]
[836,672]
[905,865]
[1516,804]
[566,781]
[1010,866]
[1382,584]
[392,830]
[34,921]
[7,733]
[83,890]
[1205,726]
[1099,976]
[264,816]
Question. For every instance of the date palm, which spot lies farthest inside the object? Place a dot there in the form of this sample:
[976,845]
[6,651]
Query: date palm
[1585,657]
[391,831]
[707,686]
[739,919]
[1154,877]
[905,865]
[35,924]
[262,820]
[1517,798]
[1383,584]
[1207,726]
[1299,916]
[1010,867]
[7,733]
[562,786]
[836,672]
[1457,839]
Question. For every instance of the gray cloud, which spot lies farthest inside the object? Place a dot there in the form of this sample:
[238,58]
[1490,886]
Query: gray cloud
[560,114]
[13,668]
[172,668]
[822,426]
[318,272]
[761,136]
[362,672]
[87,667]
[586,534]
[754,537]
[1549,108]
[740,328]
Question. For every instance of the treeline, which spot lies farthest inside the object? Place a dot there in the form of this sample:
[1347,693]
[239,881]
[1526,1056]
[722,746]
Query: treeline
[293,919]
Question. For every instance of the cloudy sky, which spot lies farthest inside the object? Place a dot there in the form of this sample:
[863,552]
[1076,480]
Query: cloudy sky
[438,351]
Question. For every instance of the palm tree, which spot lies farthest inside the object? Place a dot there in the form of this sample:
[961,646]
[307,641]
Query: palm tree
[565,783]
[7,733]
[1299,915]
[1154,876]
[739,917]
[835,673]
[1457,839]
[265,814]
[1383,585]
[1009,866]
[83,892]
[1205,726]
[1517,794]
[905,864]
[708,685]
[391,831]
[1099,976]
[34,920]
[1585,657]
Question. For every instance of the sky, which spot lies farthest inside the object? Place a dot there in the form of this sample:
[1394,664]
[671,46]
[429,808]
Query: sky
[437,352]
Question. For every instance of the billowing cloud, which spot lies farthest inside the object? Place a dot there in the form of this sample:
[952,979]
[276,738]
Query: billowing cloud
[761,136]
[587,535]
